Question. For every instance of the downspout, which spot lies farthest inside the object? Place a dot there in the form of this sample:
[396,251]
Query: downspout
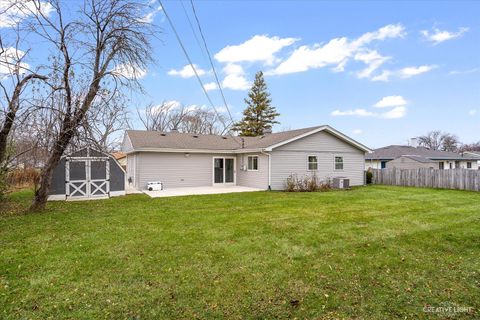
[269,169]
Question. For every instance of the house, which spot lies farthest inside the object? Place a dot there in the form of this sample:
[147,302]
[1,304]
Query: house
[409,157]
[121,157]
[474,154]
[87,174]
[265,162]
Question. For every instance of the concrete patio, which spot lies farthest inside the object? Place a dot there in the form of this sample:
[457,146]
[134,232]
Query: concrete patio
[174,192]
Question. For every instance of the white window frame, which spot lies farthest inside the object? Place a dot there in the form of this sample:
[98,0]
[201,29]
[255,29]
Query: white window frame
[248,163]
[335,163]
[308,162]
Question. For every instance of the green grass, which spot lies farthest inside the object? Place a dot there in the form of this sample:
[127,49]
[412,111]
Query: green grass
[370,253]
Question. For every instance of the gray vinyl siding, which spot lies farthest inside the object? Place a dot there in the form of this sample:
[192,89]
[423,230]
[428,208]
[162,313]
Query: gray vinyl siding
[292,159]
[175,170]
[407,163]
[252,179]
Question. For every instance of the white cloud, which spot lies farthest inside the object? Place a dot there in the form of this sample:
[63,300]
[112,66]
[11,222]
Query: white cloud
[149,17]
[235,77]
[210,86]
[413,71]
[236,82]
[130,72]
[13,12]
[10,62]
[354,112]
[403,73]
[259,48]
[473,70]
[187,71]
[395,113]
[472,112]
[357,131]
[338,51]
[390,101]
[438,36]
[372,59]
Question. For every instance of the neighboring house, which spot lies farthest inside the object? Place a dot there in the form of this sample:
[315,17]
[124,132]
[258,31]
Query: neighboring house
[121,157]
[408,157]
[190,160]
[474,154]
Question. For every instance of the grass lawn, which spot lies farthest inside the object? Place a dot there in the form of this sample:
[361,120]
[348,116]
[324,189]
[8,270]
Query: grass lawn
[370,253]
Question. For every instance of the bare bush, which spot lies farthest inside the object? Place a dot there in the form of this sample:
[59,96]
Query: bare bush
[306,183]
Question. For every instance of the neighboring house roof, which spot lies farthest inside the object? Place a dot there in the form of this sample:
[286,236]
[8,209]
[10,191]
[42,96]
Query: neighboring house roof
[119,155]
[475,154]
[395,151]
[151,140]
[418,158]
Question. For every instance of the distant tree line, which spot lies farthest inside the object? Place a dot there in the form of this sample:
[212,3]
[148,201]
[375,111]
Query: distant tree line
[443,141]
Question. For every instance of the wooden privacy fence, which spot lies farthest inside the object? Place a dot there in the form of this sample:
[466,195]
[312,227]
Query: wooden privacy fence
[462,179]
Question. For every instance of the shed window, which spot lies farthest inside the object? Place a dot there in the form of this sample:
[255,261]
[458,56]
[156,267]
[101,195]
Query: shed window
[338,163]
[312,163]
[469,165]
[252,163]
[441,165]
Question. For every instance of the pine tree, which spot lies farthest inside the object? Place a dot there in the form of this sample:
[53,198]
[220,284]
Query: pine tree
[259,114]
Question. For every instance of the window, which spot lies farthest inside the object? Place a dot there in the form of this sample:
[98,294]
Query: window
[338,163]
[252,163]
[312,163]
[469,165]
[383,164]
[441,165]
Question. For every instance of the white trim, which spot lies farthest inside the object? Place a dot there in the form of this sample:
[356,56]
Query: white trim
[56,197]
[329,129]
[308,162]
[234,183]
[252,156]
[117,193]
[269,169]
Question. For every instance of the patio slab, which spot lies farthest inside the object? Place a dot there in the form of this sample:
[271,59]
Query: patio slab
[197,190]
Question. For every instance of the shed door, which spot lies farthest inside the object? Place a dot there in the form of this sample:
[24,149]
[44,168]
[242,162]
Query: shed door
[87,178]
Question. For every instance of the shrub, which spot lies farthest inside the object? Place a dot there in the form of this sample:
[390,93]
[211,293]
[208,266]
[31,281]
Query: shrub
[308,183]
[369,177]
[23,177]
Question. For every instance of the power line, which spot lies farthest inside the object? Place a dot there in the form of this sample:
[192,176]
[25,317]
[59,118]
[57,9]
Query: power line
[210,59]
[190,62]
[197,40]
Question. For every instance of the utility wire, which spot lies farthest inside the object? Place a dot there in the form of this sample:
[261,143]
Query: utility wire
[211,62]
[191,63]
[193,30]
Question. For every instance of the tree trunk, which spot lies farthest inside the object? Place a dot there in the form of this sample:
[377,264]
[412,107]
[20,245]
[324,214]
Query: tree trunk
[41,194]
[7,126]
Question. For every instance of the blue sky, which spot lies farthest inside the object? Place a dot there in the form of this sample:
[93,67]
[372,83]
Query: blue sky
[426,57]
[381,72]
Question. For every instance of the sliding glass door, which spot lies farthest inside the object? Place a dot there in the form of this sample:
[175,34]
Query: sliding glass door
[223,171]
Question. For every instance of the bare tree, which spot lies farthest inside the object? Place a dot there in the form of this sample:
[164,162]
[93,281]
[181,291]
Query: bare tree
[104,124]
[432,140]
[97,51]
[162,117]
[450,142]
[437,140]
[171,115]
[15,77]
[470,147]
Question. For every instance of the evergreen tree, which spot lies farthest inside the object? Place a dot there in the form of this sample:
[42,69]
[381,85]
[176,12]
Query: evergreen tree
[259,114]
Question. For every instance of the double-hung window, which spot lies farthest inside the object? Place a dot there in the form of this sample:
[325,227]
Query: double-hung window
[312,163]
[338,163]
[252,164]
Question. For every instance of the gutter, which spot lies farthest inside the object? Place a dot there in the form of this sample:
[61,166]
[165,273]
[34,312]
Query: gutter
[269,168]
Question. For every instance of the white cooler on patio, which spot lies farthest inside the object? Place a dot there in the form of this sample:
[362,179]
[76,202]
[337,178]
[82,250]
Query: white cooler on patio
[154,186]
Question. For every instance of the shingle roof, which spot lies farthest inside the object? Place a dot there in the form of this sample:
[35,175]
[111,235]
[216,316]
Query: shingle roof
[174,140]
[395,151]
[418,158]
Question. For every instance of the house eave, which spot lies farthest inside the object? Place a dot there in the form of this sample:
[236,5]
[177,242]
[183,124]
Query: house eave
[176,150]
